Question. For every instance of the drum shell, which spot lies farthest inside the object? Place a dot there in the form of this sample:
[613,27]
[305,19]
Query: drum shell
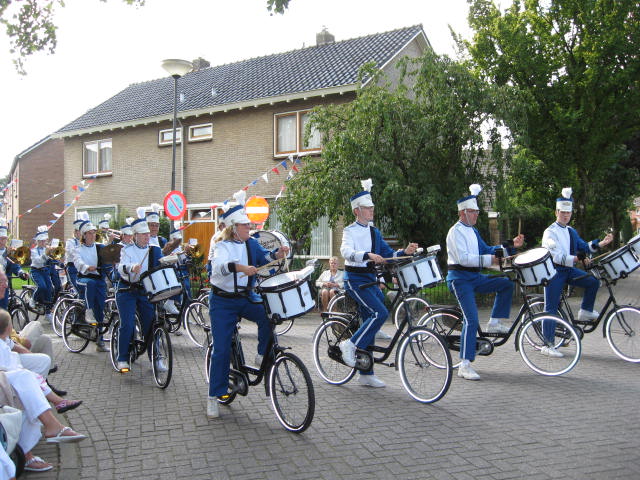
[161,283]
[286,295]
[271,240]
[536,272]
[419,273]
[619,263]
[634,245]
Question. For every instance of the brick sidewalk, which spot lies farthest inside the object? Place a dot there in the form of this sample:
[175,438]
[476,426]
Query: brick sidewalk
[512,424]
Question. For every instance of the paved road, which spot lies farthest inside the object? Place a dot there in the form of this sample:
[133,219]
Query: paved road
[512,424]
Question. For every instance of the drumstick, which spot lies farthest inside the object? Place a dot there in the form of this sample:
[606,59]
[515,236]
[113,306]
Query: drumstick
[600,256]
[398,258]
[142,261]
[267,265]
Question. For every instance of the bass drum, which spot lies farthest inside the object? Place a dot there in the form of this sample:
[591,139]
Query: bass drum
[270,240]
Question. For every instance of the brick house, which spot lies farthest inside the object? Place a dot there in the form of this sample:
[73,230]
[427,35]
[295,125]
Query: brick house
[40,175]
[236,122]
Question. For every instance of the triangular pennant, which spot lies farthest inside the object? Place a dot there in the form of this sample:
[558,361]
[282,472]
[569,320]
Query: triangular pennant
[295,169]
[275,170]
[74,187]
[265,178]
[254,182]
[284,164]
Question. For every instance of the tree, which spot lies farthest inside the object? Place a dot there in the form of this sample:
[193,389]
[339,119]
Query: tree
[421,143]
[576,62]
[30,26]
[277,6]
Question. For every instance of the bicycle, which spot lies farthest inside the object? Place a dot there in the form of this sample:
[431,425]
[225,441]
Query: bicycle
[422,357]
[76,332]
[16,307]
[156,338]
[622,322]
[528,327]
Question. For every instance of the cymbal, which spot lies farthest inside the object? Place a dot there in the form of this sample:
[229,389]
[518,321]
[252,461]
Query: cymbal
[110,253]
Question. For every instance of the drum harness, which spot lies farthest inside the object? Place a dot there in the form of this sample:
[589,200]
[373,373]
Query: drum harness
[133,286]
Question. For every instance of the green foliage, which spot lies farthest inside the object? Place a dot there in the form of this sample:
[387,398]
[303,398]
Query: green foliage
[277,6]
[576,65]
[420,141]
[30,26]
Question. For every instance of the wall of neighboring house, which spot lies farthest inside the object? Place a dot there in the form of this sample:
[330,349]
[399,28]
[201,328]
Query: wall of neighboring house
[40,175]
[241,151]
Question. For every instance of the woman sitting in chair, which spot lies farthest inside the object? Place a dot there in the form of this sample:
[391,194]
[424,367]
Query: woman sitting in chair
[330,282]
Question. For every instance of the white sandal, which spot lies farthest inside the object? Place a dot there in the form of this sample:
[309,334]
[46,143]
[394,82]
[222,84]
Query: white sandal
[60,437]
[32,460]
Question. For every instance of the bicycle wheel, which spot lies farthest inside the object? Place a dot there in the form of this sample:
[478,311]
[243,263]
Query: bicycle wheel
[534,348]
[75,333]
[291,392]
[413,307]
[284,327]
[26,295]
[161,357]
[424,363]
[622,327]
[59,310]
[343,303]
[446,323]
[115,336]
[325,341]
[19,317]
[196,322]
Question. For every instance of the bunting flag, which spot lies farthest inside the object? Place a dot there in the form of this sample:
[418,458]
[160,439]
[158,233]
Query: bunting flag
[57,216]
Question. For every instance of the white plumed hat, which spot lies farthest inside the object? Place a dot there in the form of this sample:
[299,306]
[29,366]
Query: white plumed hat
[471,201]
[363,198]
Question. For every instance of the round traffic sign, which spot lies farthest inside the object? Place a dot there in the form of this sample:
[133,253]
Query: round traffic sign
[175,204]
[257,209]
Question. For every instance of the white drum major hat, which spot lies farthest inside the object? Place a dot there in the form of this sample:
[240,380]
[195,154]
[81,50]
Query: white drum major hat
[154,215]
[140,224]
[565,203]
[470,202]
[363,198]
[177,231]
[127,229]
[104,223]
[43,233]
[235,215]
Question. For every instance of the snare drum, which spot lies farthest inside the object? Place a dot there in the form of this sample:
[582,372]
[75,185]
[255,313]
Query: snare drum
[619,264]
[419,273]
[270,240]
[535,267]
[634,245]
[287,295]
[161,283]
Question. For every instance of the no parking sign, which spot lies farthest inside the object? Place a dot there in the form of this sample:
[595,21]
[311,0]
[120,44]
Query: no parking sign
[175,204]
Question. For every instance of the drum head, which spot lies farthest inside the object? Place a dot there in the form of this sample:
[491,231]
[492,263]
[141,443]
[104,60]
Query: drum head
[534,255]
[111,253]
[270,240]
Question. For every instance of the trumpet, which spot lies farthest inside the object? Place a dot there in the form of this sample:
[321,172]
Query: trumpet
[21,255]
[56,253]
[102,236]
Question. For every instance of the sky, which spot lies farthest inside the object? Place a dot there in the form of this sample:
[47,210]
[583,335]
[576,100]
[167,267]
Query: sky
[105,46]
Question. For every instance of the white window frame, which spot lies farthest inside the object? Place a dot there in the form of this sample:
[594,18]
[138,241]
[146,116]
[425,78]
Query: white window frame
[299,134]
[200,138]
[163,142]
[322,231]
[98,172]
[96,212]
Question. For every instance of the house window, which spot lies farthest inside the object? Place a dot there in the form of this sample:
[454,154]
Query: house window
[198,133]
[321,237]
[96,214]
[289,134]
[97,157]
[165,138]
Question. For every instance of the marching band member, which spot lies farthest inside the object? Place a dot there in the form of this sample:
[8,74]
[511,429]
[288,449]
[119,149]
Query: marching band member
[10,267]
[91,277]
[567,248]
[40,272]
[126,233]
[234,266]
[69,253]
[467,255]
[212,245]
[104,230]
[362,244]
[131,296]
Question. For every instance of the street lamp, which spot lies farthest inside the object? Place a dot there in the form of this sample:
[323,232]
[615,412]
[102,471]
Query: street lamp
[176,68]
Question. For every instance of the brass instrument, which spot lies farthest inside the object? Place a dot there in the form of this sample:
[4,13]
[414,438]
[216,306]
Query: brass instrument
[194,252]
[21,255]
[56,253]
[102,236]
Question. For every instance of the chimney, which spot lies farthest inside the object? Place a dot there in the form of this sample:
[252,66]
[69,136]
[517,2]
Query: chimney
[200,63]
[324,37]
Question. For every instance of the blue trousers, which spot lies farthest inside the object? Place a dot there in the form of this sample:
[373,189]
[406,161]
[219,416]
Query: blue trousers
[44,290]
[128,302]
[372,310]
[553,291]
[224,314]
[4,301]
[72,274]
[95,294]
[55,281]
[465,287]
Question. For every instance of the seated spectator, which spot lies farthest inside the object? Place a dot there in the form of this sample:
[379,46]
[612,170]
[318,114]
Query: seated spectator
[330,282]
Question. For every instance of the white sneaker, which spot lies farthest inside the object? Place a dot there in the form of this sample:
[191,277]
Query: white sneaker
[48,317]
[89,317]
[497,328]
[213,408]
[348,350]
[468,373]
[123,367]
[371,381]
[161,365]
[32,302]
[551,352]
[258,360]
[586,315]
[170,308]
[380,335]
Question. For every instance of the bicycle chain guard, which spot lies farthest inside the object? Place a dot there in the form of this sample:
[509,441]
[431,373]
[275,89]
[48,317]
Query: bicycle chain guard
[238,382]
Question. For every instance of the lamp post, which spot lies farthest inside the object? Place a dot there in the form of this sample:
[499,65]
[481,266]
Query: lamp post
[176,68]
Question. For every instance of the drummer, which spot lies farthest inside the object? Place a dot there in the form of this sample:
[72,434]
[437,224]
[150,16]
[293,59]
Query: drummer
[70,251]
[467,255]
[153,220]
[131,296]
[567,248]
[362,246]
[91,277]
[234,267]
